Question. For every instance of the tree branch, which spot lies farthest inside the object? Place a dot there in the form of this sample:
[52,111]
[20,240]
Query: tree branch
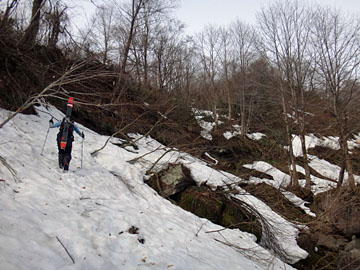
[72,259]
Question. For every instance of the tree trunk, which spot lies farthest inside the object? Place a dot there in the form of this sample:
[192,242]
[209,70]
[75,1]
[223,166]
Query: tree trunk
[295,179]
[306,162]
[229,104]
[135,11]
[56,27]
[6,14]
[243,123]
[146,48]
[341,174]
[228,95]
[350,171]
[243,110]
[214,109]
[348,164]
[292,165]
[32,30]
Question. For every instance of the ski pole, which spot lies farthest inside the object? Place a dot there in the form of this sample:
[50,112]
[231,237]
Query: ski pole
[47,133]
[82,150]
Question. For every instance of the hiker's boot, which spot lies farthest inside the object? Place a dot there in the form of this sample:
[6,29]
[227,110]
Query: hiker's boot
[66,167]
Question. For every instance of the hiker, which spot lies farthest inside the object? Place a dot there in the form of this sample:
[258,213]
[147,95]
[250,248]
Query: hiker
[65,152]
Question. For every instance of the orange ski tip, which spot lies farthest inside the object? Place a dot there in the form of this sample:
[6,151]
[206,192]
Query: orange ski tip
[70,102]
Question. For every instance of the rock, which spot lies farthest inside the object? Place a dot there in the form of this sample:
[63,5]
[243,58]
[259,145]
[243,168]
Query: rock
[353,245]
[334,243]
[220,209]
[355,254]
[176,178]
[342,210]
[347,212]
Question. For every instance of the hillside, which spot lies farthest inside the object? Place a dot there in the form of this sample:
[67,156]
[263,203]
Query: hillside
[235,148]
[106,216]
[228,170]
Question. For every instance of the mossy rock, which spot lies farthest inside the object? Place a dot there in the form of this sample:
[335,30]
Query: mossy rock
[219,209]
[171,181]
[202,202]
[234,216]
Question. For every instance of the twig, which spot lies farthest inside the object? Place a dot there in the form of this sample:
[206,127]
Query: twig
[65,249]
[116,133]
[202,225]
[130,124]
[157,161]
[153,127]
[47,113]
[134,160]
[11,170]
[215,231]
[67,78]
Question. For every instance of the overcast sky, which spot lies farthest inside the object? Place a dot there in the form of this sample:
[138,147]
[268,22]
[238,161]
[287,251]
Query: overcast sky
[198,13]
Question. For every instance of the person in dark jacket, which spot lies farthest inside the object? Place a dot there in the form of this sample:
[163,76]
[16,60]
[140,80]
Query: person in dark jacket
[65,154]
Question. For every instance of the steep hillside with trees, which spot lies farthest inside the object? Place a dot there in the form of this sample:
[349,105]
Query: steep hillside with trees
[132,69]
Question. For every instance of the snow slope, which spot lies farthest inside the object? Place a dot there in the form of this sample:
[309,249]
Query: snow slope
[103,216]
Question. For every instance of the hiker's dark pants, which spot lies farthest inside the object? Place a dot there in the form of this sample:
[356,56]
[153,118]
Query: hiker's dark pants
[65,154]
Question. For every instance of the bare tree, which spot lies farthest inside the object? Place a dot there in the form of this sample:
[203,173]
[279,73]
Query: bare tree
[209,45]
[153,24]
[243,41]
[55,19]
[225,59]
[167,49]
[336,41]
[4,19]
[127,31]
[32,29]
[132,17]
[101,31]
[141,49]
[187,68]
[285,39]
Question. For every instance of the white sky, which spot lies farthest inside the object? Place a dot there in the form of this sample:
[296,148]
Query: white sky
[195,14]
[198,13]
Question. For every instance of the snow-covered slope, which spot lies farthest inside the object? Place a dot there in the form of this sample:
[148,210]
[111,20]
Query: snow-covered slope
[103,216]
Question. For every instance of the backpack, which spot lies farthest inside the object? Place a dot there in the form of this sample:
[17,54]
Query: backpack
[70,131]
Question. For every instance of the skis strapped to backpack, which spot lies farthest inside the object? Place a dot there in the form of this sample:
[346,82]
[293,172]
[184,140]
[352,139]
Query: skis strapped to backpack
[66,123]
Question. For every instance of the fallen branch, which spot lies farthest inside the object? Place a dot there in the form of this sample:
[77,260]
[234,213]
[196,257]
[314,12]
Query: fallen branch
[65,249]
[11,170]
[130,124]
[152,128]
[202,225]
[52,90]
[116,133]
[215,231]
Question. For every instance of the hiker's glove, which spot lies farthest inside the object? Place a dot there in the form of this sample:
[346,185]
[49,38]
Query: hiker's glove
[51,122]
[83,135]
